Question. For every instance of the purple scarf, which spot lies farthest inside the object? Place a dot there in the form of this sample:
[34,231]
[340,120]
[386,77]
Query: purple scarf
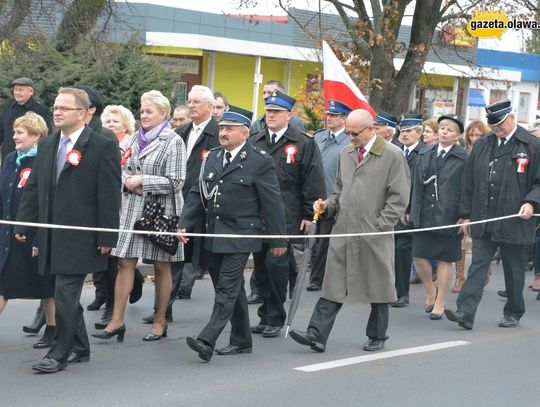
[146,137]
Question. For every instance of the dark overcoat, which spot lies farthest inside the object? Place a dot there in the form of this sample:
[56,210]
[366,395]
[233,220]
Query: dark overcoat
[209,139]
[301,180]
[517,188]
[449,186]
[245,200]
[87,194]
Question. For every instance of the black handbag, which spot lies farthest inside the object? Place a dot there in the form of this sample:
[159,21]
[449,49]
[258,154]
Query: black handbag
[154,220]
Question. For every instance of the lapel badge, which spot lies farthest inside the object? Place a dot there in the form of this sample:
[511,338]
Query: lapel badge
[211,176]
[243,154]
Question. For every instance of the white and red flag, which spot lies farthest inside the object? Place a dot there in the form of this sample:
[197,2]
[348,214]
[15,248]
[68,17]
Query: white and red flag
[338,84]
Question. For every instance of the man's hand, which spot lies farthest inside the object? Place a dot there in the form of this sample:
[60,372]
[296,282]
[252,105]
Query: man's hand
[20,237]
[319,205]
[35,251]
[304,225]
[104,250]
[278,251]
[465,229]
[181,236]
[526,211]
[405,219]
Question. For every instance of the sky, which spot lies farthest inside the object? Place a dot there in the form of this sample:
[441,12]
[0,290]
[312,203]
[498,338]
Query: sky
[510,41]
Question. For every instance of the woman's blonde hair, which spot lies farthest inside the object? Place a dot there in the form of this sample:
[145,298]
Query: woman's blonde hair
[125,115]
[475,124]
[156,98]
[33,123]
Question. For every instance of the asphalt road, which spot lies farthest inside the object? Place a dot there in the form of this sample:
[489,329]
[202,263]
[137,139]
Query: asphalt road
[494,367]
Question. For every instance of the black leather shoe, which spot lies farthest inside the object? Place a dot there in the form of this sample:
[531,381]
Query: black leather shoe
[271,331]
[459,317]
[429,308]
[374,344]
[149,337]
[48,365]
[105,319]
[96,304]
[254,299]
[308,339]
[37,324]
[150,318]
[401,302]
[204,350]
[258,329]
[183,295]
[75,357]
[508,322]
[136,292]
[233,350]
[313,287]
[502,293]
[119,333]
[435,317]
[46,340]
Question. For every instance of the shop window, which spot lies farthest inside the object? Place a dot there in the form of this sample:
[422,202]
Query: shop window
[179,93]
[523,108]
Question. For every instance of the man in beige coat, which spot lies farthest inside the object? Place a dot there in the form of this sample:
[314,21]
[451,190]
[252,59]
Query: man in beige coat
[371,193]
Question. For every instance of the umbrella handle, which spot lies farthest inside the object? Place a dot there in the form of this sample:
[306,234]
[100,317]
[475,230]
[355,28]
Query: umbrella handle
[317,213]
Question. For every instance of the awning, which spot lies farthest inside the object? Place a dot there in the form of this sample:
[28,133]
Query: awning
[476,98]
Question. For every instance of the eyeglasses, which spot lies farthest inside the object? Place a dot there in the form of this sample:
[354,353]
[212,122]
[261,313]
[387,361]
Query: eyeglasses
[356,133]
[64,109]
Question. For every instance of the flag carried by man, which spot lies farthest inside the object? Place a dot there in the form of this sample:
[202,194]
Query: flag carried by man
[338,84]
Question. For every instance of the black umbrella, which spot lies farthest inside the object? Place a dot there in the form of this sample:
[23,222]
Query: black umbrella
[301,278]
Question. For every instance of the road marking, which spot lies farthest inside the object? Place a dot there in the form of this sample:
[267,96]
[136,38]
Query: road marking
[377,356]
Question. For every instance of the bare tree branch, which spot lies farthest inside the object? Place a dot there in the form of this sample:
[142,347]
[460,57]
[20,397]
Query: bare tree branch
[20,10]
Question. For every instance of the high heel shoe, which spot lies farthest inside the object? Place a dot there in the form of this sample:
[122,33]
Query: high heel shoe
[153,337]
[430,307]
[119,333]
[436,317]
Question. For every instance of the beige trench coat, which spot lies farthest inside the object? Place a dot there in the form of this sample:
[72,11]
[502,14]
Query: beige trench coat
[369,196]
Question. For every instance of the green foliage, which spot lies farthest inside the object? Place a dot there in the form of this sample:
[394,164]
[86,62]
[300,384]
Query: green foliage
[313,120]
[121,73]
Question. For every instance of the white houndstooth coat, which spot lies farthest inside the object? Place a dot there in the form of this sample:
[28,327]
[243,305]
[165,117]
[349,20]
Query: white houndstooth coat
[163,159]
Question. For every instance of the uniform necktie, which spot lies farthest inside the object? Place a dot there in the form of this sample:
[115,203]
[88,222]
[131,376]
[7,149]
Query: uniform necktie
[406,152]
[331,138]
[502,142]
[61,156]
[440,158]
[228,157]
[361,153]
[274,138]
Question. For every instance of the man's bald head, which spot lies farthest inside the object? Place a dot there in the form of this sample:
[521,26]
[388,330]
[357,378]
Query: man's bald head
[359,126]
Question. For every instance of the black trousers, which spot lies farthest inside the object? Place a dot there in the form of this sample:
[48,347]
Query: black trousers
[99,280]
[272,274]
[70,327]
[403,263]
[325,312]
[514,261]
[110,280]
[230,303]
[324,226]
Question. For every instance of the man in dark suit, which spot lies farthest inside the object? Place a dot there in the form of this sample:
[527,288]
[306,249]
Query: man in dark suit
[240,190]
[23,101]
[301,180]
[75,181]
[502,177]
[411,131]
[200,136]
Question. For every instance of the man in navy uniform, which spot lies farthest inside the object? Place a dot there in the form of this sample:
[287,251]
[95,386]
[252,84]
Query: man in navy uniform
[301,180]
[411,130]
[239,188]
[386,127]
[330,141]
[502,178]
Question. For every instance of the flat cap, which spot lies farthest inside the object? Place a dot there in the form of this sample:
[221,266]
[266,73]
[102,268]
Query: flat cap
[23,82]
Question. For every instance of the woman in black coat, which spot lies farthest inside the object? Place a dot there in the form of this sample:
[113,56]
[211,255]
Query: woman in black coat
[437,183]
[19,276]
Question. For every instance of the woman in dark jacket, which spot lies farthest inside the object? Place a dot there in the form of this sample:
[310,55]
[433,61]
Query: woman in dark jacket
[437,182]
[19,276]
